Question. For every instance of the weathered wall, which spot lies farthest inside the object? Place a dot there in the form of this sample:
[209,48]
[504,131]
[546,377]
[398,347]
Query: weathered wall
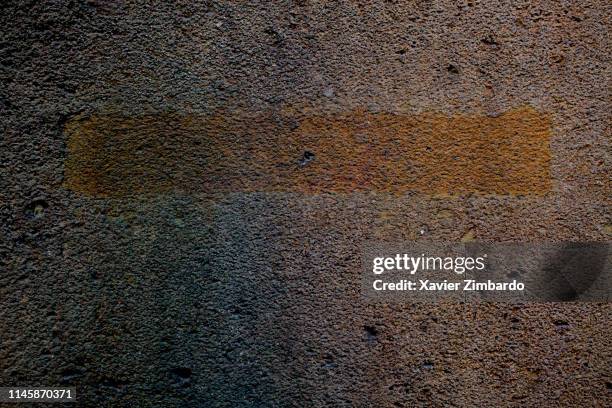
[186,189]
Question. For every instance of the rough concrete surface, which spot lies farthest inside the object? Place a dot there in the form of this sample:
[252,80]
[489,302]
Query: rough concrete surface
[186,188]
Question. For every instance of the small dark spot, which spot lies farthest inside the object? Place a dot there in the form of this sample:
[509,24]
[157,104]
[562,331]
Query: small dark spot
[307,157]
[452,69]
[428,365]
[182,372]
[514,320]
[490,40]
[278,38]
[36,209]
[557,59]
[5,103]
[329,363]
[93,273]
[576,19]
[561,324]
[400,52]
[371,334]
[424,326]
[609,385]
[181,376]
[69,87]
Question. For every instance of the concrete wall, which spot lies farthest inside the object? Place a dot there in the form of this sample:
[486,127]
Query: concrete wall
[186,190]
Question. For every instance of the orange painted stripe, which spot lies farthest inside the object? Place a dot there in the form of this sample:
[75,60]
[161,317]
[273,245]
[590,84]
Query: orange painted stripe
[116,156]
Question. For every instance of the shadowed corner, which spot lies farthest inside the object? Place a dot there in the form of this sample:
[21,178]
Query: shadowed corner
[572,271]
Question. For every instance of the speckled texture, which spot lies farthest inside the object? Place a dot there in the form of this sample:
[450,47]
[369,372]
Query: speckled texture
[191,296]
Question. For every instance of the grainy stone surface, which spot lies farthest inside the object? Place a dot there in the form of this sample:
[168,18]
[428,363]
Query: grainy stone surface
[241,288]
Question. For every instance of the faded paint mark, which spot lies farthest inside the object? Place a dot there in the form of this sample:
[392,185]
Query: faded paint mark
[116,156]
